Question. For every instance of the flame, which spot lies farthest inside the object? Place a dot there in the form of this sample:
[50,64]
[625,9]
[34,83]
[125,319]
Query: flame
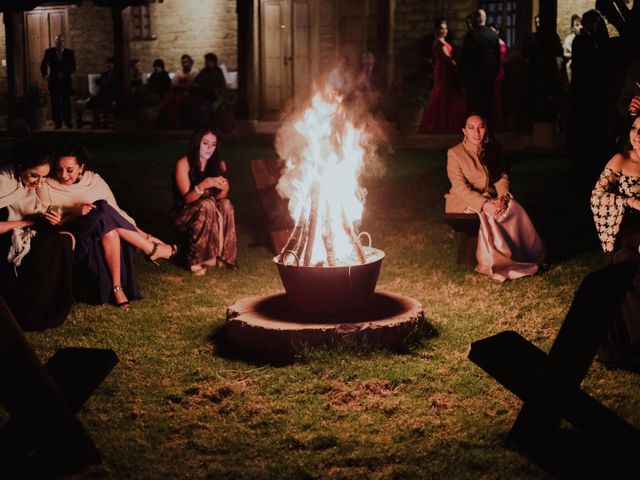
[321,178]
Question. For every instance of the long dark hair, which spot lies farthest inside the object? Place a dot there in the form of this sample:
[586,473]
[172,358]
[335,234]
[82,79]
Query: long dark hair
[30,154]
[212,168]
[76,150]
[489,153]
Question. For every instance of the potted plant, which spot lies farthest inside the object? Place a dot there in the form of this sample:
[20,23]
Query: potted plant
[146,106]
[33,107]
[224,110]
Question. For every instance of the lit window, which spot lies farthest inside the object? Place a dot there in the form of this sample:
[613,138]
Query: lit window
[503,14]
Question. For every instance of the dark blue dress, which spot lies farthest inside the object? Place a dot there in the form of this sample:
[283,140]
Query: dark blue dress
[92,281]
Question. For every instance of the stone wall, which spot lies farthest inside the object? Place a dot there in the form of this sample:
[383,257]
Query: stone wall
[90,36]
[194,27]
[414,20]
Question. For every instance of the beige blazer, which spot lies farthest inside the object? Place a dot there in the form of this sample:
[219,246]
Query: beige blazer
[470,183]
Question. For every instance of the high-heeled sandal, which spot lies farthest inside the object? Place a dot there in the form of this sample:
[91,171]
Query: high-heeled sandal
[122,305]
[154,249]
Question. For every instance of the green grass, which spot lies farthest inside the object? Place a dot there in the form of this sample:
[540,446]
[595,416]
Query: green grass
[179,405]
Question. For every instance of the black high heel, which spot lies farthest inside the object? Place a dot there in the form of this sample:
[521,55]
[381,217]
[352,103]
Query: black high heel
[122,305]
[153,251]
[174,251]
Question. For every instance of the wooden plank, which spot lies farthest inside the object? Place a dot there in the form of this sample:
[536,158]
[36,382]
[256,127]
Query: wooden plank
[266,173]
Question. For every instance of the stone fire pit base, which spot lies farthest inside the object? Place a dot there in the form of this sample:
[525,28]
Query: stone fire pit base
[268,327]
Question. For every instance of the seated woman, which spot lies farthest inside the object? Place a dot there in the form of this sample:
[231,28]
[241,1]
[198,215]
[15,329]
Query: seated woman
[104,263]
[508,245]
[202,208]
[180,85]
[35,259]
[615,203]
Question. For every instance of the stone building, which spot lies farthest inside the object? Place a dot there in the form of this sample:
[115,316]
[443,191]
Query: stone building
[280,48]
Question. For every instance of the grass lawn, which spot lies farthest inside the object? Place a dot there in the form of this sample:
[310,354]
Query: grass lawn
[179,405]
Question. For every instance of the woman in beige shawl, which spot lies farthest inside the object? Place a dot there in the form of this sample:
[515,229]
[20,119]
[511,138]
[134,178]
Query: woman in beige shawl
[105,234]
[35,263]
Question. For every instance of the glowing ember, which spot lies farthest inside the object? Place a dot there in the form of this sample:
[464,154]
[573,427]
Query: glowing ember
[324,161]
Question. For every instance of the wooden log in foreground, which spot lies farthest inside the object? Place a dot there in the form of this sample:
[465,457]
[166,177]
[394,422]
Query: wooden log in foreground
[327,237]
[312,225]
[354,239]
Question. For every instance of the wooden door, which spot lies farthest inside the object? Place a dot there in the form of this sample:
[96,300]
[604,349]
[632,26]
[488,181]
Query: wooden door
[41,28]
[285,53]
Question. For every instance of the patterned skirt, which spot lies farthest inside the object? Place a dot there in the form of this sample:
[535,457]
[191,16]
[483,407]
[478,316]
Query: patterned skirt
[211,230]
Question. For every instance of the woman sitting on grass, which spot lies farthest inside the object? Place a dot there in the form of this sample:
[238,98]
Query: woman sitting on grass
[202,208]
[35,259]
[509,246]
[615,203]
[104,263]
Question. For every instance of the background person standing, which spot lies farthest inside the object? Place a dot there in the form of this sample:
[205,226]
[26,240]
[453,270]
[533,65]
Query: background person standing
[480,64]
[57,66]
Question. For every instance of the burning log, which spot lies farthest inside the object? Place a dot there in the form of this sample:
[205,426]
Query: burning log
[294,238]
[312,224]
[353,237]
[327,237]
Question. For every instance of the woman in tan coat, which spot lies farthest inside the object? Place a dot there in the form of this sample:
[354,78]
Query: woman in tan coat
[508,245]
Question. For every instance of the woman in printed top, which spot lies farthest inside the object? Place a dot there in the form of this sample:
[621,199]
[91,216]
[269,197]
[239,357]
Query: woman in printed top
[615,203]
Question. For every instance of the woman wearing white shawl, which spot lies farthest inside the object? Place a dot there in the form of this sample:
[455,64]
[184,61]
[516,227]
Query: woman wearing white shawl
[35,260]
[104,264]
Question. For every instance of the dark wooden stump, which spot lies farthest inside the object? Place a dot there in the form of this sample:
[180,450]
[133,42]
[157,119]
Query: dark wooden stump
[266,173]
[467,226]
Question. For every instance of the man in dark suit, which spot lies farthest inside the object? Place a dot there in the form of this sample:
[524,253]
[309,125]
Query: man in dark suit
[480,65]
[57,66]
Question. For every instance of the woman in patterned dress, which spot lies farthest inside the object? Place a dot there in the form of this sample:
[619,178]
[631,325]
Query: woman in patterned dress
[615,203]
[202,209]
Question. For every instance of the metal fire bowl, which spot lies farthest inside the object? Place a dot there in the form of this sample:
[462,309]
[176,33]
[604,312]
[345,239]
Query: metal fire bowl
[331,290]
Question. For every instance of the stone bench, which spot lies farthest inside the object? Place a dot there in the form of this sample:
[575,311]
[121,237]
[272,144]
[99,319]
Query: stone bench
[467,226]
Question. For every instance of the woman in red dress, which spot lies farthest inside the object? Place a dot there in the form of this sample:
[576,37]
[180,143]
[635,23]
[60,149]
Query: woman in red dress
[446,108]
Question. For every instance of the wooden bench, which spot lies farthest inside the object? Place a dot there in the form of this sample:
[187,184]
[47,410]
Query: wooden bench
[467,226]
[266,173]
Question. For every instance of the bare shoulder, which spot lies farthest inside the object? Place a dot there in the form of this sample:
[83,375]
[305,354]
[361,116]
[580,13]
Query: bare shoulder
[618,161]
[182,164]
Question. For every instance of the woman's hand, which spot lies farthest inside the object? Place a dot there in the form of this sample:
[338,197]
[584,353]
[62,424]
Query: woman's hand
[53,217]
[497,206]
[213,182]
[86,208]
[634,203]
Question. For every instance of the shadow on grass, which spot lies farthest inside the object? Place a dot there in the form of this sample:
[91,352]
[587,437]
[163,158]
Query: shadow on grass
[225,347]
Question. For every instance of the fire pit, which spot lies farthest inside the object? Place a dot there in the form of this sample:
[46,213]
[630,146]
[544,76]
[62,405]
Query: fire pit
[328,275]
[334,289]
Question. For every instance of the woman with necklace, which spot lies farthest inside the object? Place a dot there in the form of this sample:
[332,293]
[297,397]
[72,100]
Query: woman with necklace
[509,246]
[106,235]
[202,207]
